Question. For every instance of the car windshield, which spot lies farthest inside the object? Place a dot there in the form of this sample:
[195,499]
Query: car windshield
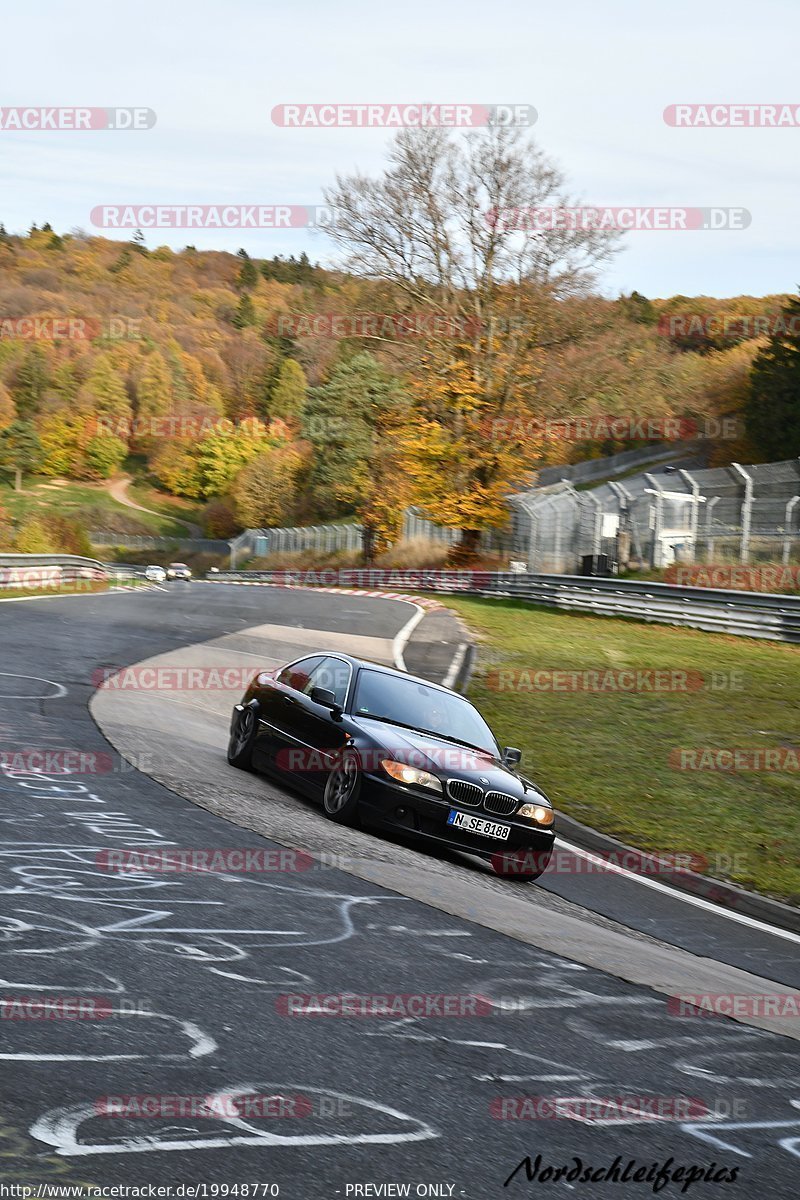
[430,710]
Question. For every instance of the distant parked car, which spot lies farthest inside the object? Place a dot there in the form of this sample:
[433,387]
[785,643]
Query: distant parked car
[179,571]
[155,574]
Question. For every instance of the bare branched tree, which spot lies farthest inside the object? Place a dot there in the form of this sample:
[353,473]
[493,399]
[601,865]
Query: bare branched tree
[452,225]
[445,222]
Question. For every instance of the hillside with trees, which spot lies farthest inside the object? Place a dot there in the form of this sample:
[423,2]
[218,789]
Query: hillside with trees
[262,392]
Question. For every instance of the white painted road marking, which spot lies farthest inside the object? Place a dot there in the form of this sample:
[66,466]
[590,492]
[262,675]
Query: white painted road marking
[697,901]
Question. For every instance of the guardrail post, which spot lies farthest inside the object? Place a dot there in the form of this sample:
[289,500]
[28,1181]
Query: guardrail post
[695,486]
[657,510]
[747,507]
[597,522]
[709,539]
[787,541]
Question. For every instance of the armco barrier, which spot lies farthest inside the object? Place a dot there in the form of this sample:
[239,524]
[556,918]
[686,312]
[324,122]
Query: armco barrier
[47,570]
[715,610]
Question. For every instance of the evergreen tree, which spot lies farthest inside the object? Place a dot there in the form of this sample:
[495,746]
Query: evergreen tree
[154,393]
[33,377]
[352,421]
[772,409]
[248,275]
[20,450]
[288,397]
[104,392]
[639,308]
[245,313]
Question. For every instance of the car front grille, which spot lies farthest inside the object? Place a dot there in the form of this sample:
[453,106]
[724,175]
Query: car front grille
[463,792]
[500,803]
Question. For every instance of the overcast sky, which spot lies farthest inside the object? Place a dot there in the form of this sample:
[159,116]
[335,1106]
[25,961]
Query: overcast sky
[598,74]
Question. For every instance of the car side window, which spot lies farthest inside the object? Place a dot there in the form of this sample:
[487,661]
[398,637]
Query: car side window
[298,675]
[333,674]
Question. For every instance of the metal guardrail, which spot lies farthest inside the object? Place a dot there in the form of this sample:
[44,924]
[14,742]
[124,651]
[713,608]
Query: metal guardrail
[120,571]
[714,610]
[47,570]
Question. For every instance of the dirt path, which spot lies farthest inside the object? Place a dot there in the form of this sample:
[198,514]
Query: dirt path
[118,490]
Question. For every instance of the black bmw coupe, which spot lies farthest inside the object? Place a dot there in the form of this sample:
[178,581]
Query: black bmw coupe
[382,748]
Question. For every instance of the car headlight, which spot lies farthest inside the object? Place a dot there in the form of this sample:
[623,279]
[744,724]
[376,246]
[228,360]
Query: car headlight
[536,812]
[405,774]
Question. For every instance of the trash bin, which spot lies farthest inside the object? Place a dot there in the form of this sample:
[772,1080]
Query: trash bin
[596,564]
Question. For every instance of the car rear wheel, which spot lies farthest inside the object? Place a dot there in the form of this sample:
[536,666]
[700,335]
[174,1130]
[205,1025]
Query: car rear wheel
[342,790]
[240,746]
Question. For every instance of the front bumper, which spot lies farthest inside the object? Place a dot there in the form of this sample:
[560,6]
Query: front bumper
[406,810]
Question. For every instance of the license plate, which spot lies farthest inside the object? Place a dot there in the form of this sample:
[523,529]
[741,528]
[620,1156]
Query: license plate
[471,824]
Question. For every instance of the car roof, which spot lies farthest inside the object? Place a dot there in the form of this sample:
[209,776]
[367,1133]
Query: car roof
[383,668]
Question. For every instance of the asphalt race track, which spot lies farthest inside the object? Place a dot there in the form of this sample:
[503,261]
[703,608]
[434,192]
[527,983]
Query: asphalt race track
[193,975]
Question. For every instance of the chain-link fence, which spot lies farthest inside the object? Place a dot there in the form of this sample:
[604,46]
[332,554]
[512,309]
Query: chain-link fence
[135,541]
[737,513]
[671,514]
[257,543]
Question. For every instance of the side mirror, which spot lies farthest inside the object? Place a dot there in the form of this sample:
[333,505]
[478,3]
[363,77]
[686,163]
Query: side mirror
[512,757]
[325,697]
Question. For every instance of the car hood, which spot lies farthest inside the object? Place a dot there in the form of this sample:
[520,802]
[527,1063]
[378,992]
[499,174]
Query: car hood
[447,759]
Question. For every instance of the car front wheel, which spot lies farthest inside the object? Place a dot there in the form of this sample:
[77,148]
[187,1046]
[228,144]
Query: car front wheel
[342,790]
[243,734]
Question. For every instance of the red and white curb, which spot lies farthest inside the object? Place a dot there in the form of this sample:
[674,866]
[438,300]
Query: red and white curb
[422,601]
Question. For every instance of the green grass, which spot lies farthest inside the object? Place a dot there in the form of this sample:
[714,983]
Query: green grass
[87,503]
[176,508]
[603,758]
[64,589]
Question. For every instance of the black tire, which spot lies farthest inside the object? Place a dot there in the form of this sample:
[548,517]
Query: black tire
[342,790]
[519,866]
[240,745]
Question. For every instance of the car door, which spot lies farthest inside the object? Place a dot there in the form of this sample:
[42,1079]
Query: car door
[322,735]
[279,713]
